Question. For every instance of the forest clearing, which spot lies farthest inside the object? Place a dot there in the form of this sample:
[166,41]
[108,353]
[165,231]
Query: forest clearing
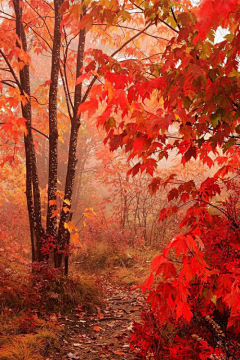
[119,186]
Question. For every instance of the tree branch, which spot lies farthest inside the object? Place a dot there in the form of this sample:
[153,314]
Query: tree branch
[34,9]
[162,21]
[222,211]
[133,29]
[112,55]
[11,70]
[38,131]
[5,82]
[130,40]
[175,19]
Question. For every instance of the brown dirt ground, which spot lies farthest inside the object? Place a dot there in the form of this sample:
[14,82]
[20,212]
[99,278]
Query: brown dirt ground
[104,335]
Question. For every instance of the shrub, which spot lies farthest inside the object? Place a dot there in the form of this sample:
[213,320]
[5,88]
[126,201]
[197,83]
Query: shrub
[47,290]
[194,295]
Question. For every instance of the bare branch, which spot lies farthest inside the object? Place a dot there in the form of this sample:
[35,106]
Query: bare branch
[5,82]
[130,40]
[44,40]
[67,94]
[162,21]
[38,131]
[36,99]
[175,19]
[133,29]
[11,70]
[34,9]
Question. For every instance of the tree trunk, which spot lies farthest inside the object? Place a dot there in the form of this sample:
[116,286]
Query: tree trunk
[53,127]
[72,159]
[66,260]
[32,182]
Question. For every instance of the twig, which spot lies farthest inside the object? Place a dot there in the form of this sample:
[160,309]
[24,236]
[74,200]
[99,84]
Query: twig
[38,131]
[11,70]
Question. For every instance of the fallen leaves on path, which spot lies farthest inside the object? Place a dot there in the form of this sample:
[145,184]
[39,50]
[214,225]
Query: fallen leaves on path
[105,335]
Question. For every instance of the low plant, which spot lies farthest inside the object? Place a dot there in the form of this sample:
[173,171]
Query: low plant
[29,346]
[46,290]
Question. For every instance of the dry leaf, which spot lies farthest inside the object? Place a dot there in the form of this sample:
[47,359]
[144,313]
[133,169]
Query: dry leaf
[96,328]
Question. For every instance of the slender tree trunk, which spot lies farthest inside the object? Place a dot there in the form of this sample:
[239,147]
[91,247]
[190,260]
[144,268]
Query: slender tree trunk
[32,181]
[53,127]
[72,158]
[66,260]
[72,161]
[29,196]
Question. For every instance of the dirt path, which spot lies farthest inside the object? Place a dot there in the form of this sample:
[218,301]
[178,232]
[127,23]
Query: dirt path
[105,335]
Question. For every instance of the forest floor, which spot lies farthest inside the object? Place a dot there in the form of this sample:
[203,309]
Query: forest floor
[105,335]
[100,327]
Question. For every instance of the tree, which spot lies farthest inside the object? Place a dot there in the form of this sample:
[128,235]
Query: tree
[54,33]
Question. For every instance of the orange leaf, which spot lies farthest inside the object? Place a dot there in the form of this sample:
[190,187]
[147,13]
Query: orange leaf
[54,213]
[97,328]
[75,239]
[86,22]
[52,202]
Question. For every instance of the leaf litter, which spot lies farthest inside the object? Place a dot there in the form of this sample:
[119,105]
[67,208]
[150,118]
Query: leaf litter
[104,335]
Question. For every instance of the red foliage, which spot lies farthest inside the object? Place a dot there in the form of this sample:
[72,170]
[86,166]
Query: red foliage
[28,322]
[194,296]
[195,311]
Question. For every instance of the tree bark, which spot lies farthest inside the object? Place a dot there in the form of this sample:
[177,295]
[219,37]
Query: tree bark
[32,181]
[53,127]
[72,159]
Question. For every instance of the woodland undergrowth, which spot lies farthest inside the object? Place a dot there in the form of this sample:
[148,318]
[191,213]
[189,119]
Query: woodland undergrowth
[32,299]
